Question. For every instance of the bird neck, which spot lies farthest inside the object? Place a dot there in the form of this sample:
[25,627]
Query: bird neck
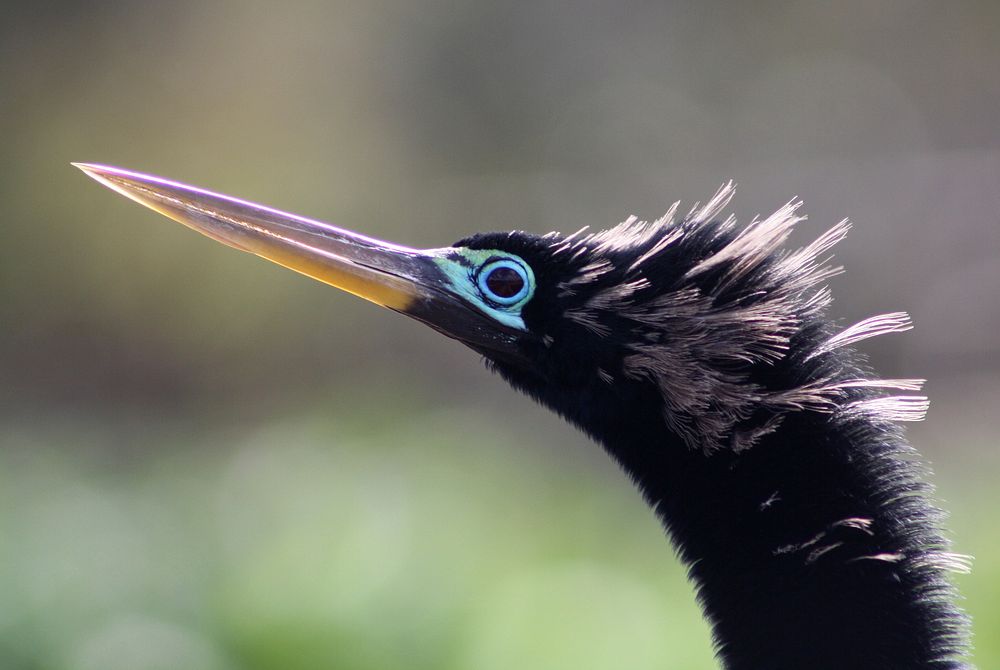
[815,548]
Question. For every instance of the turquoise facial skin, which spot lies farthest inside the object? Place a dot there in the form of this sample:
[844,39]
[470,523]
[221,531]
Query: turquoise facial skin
[467,270]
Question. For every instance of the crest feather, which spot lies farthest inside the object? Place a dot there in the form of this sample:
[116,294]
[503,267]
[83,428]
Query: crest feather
[702,329]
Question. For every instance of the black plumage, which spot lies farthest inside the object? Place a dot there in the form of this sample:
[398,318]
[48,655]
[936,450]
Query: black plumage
[804,520]
[699,354]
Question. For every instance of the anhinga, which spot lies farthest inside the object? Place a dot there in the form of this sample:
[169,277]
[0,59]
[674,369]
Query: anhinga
[698,353]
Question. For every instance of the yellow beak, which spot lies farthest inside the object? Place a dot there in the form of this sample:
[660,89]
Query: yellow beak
[360,265]
[411,281]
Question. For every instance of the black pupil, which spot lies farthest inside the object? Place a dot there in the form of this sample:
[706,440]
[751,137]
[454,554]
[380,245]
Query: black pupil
[504,282]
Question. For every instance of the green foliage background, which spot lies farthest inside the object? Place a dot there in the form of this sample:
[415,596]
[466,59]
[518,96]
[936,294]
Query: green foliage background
[207,462]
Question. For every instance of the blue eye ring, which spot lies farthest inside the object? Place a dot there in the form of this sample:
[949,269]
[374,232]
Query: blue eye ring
[487,276]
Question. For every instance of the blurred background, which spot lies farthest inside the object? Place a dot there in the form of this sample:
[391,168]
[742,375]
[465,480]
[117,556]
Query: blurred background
[209,462]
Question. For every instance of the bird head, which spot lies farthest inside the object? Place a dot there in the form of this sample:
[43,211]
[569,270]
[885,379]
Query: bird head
[690,309]
[693,309]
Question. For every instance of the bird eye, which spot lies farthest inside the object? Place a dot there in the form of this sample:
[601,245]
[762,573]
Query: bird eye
[503,281]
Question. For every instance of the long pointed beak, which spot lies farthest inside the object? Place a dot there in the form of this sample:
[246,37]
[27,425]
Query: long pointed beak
[405,280]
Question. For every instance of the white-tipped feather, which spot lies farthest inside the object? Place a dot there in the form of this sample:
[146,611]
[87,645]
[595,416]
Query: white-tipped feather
[881,324]
[752,245]
[897,384]
[892,408]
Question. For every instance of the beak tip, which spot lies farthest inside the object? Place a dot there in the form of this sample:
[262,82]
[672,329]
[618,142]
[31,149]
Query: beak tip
[89,169]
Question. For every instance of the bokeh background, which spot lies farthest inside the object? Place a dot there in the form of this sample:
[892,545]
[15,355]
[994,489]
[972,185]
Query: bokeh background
[208,462]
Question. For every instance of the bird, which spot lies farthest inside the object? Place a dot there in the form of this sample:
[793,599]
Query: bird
[699,354]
